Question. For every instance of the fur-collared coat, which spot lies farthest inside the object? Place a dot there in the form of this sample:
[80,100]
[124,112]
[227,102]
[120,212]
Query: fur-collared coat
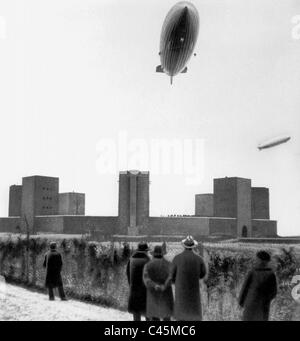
[259,289]
[137,288]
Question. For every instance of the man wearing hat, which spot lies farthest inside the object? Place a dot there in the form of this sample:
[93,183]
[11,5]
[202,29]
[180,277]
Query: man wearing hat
[137,289]
[187,269]
[259,289]
[159,290]
[53,264]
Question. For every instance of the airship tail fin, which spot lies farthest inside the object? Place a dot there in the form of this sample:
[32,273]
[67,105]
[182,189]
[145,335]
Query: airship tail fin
[171,79]
[184,70]
[159,69]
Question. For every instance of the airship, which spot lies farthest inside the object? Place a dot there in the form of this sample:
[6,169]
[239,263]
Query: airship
[178,38]
[274,142]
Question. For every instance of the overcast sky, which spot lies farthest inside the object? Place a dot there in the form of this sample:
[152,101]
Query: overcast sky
[75,72]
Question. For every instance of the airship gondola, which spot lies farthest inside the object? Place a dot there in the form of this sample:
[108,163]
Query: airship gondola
[178,38]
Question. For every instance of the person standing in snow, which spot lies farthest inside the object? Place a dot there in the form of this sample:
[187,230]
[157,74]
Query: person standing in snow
[259,289]
[53,264]
[137,288]
[159,286]
[187,270]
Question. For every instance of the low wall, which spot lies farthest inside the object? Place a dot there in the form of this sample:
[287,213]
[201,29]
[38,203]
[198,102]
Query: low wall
[84,224]
[49,224]
[264,228]
[223,226]
[10,224]
[74,224]
[195,226]
[281,240]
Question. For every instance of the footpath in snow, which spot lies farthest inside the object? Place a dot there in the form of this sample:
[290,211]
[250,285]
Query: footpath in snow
[20,304]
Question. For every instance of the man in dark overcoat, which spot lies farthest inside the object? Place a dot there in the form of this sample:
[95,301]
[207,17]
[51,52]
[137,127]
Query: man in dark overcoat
[187,269]
[159,287]
[53,264]
[137,289]
[258,290]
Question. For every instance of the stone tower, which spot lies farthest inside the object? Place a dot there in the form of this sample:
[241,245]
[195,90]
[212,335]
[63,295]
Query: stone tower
[232,199]
[133,202]
[39,198]
[15,200]
[260,203]
[71,203]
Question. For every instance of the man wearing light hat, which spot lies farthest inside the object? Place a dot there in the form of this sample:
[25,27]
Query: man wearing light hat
[187,269]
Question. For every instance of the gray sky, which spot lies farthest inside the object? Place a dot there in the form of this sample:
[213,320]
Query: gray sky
[73,72]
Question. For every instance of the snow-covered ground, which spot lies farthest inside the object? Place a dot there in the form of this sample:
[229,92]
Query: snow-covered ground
[296,315]
[20,304]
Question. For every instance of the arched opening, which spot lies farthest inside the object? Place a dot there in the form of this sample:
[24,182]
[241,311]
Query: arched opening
[244,232]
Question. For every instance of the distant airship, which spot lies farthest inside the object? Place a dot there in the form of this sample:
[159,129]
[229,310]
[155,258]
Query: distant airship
[178,38]
[273,142]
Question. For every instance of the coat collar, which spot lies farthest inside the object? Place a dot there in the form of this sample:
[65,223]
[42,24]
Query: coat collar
[262,268]
[140,254]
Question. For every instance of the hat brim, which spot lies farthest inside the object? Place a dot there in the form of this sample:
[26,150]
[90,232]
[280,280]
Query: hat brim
[191,246]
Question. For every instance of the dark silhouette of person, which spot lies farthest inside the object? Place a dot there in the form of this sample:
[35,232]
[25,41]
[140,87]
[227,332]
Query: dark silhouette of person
[137,288]
[159,287]
[187,270]
[258,290]
[53,264]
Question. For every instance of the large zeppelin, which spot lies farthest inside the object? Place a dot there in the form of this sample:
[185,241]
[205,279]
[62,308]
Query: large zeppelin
[274,142]
[178,38]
